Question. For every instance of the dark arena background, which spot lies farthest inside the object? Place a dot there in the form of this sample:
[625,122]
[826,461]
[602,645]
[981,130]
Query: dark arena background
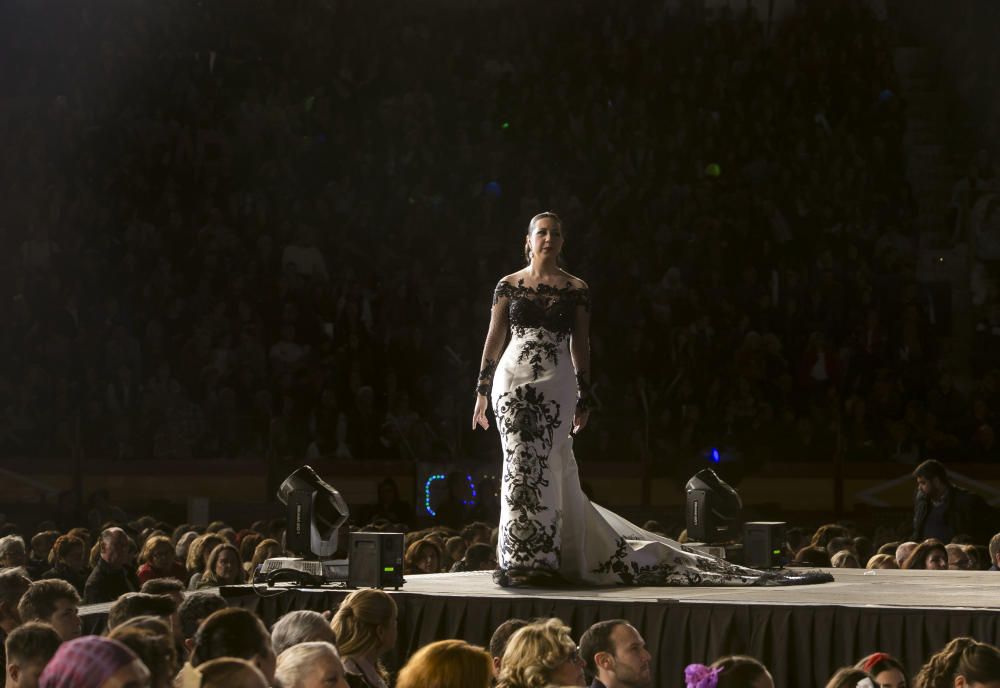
[244,236]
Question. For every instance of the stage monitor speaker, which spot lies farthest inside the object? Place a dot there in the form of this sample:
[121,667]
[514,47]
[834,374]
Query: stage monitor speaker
[764,544]
[375,560]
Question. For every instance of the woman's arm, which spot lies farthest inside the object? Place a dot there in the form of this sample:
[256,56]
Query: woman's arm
[496,337]
[579,347]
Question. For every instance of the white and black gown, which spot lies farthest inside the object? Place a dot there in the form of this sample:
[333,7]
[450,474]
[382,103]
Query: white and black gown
[547,524]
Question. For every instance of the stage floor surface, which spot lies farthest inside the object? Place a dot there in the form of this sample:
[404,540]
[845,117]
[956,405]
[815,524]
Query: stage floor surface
[851,587]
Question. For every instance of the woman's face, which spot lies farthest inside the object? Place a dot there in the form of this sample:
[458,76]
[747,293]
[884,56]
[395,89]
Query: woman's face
[937,560]
[569,672]
[226,565]
[427,561]
[73,559]
[162,557]
[890,678]
[545,239]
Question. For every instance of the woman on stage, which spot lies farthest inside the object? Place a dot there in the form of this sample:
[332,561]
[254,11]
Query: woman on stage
[550,533]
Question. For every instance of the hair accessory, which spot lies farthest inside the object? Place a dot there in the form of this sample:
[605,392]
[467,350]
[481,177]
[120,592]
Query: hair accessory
[874,659]
[865,683]
[701,676]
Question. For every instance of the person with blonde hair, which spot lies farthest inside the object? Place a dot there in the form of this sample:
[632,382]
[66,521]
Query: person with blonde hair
[365,626]
[882,561]
[962,663]
[311,665]
[265,549]
[447,664]
[541,654]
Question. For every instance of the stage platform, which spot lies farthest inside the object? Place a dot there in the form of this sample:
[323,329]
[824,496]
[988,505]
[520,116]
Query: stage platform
[803,633]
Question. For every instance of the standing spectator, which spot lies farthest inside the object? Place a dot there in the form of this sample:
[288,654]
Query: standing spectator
[54,602]
[111,578]
[29,648]
[943,510]
[616,655]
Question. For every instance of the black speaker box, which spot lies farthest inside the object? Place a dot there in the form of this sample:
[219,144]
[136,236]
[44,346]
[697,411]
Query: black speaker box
[375,560]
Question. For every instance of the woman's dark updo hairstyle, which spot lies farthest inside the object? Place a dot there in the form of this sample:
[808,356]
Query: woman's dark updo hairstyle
[231,632]
[531,226]
[878,662]
[738,671]
[974,661]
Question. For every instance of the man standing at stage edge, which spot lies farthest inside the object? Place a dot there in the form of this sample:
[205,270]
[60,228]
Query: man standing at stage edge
[111,578]
[616,655]
[943,510]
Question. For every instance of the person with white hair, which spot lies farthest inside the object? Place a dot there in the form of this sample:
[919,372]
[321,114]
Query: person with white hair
[12,551]
[311,665]
[298,627]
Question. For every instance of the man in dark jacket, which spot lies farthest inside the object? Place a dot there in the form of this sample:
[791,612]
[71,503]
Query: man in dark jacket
[111,578]
[943,510]
[616,655]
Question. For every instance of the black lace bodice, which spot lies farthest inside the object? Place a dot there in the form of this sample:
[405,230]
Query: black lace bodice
[544,306]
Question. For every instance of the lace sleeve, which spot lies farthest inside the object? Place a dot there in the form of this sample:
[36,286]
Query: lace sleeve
[495,338]
[580,348]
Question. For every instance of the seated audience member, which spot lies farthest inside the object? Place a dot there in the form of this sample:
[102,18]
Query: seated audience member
[94,662]
[314,664]
[825,533]
[847,677]
[477,533]
[962,663]
[541,653]
[247,547]
[223,567]
[195,608]
[422,556]
[454,550]
[67,557]
[886,671]
[228,672]
[882,561]
[616,655]
[13,584]
[13,552]
[29,648]
[198,552]
[302,626]
[734,671]
[54,602]
[111,577]
[135,604]
[236,633]
[929,555]
[838,544]
[904,551]
[958,560]
[447,664]
[38,558]
[183,546]
[174,589]
[845,559]
[498,641]
[889,548]
[812,556]
[154,648]
[267,549]
[863,547]
[994,550]
[365,626]
[159,560]
[478,557]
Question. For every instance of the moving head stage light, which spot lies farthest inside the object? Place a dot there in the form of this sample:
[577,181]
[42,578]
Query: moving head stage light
[713,509]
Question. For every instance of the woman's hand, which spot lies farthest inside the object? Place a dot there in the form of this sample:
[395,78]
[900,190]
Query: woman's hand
[580,417]
[479,415]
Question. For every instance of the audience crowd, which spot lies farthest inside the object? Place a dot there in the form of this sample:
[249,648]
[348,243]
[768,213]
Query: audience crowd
[240,230]
[168,626]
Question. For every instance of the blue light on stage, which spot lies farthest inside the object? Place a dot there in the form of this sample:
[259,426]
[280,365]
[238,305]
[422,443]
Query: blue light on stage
[715,455]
